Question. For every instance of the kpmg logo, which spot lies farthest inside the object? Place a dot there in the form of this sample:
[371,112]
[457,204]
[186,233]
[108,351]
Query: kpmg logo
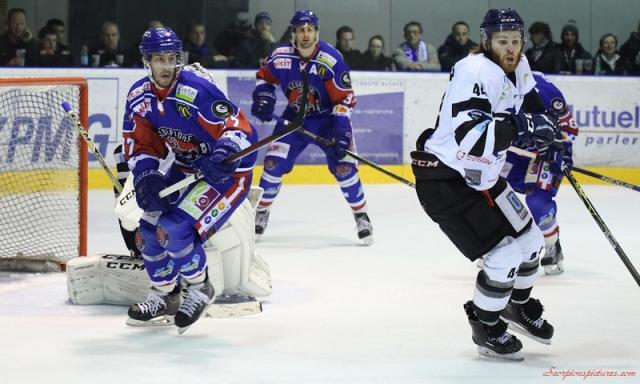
[40,138]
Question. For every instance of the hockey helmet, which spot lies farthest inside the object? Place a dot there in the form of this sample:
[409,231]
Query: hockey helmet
[303,17]
[159,40]
[501,19]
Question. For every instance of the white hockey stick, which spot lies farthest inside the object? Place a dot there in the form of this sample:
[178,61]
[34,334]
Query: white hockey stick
[85,135]
[523,152]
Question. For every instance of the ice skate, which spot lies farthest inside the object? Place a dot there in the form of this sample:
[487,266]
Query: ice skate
[552,262]
[262,218]
[365,229]
[493,341]
[197,298]
[158,309]
[527,320]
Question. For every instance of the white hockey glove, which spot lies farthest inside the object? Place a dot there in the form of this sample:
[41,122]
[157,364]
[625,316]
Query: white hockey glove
[126,207]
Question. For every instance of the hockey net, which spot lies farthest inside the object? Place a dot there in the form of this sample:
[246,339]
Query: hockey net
[43,173]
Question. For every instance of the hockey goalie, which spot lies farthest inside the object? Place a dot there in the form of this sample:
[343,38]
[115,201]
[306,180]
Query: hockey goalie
[235,268]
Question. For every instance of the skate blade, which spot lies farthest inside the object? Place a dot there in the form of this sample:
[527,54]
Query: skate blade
[486,352]
[553,270]
[234,309]
[158,322]
[523,331]
[368,240]
[182,330]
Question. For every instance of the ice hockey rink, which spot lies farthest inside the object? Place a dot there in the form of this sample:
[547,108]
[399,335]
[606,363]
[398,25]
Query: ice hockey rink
[341,312]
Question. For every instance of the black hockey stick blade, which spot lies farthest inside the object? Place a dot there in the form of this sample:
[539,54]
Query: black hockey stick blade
[602,225]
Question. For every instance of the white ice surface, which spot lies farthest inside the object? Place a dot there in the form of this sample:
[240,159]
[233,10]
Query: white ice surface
[341,312]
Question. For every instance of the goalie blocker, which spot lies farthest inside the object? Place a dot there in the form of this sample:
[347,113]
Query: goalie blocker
[235,268]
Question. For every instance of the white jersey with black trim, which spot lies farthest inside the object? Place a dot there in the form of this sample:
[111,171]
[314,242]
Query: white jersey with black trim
[465,138]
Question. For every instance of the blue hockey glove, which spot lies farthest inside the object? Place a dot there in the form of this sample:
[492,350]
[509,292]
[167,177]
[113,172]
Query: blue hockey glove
[567,155]
[213,168]
[537,130]
[264,102]
[342,134]
[148,185]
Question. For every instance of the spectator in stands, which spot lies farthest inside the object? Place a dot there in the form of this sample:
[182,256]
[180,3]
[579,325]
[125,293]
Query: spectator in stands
[373,59]
[415,54]
[608,61]
[61,48]
[17,46]
[254,49]
[198,49]
[571,50]
[456,47]
[109,52]
[49,55]
[229,40]
[543,50]
[344,43]
[630,51]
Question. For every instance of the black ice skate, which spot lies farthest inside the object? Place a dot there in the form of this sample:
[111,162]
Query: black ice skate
[365,229]
[197,298]
[158,309]
[493,341]
[527,320]
[553,260]
[262,218]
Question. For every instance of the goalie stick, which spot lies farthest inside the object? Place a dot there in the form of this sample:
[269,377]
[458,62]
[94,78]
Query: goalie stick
[603,226]
[329,143]
[85,135]
[291,127]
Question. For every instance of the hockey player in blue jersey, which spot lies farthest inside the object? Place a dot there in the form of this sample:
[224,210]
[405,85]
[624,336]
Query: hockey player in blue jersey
[330,103]
[540,178]
[178,112]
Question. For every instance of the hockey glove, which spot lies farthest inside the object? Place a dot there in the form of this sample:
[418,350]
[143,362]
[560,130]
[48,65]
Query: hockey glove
[567,155]
[537,130]
[264,102]
[343,136]
[148,185]
[213,168]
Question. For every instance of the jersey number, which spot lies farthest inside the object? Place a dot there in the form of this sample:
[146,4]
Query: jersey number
[478,89]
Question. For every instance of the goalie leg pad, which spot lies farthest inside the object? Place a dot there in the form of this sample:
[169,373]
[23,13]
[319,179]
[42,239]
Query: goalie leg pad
[245,273]
[106,279]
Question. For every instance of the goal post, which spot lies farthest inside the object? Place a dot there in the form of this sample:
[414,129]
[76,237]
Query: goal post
[43,173]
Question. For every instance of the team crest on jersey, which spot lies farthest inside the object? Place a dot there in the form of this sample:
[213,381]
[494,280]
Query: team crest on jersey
[222,109]
[294,95]
[282,63]
[326,58]
[558,105]
[186,147]
[345,80]
[186,93]
[184,110]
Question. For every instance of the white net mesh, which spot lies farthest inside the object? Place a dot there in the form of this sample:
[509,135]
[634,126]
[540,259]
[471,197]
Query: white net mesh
[39,175]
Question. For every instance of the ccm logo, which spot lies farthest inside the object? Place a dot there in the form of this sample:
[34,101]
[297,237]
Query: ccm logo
[425,163]
[127,197]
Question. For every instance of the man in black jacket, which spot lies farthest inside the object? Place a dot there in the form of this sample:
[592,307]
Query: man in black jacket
[541,54]
[456,47]
[630,52]
[258,45]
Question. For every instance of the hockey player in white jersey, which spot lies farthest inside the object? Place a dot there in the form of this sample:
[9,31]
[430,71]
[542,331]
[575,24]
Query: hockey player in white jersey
[489,104]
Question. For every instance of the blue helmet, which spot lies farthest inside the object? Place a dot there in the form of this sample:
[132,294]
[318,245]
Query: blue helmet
[501,19]
[159,40]
[304,16]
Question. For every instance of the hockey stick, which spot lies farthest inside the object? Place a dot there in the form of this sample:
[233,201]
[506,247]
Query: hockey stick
[375,166]
[85,135]
[608,179]
[602,225]
[291,127]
